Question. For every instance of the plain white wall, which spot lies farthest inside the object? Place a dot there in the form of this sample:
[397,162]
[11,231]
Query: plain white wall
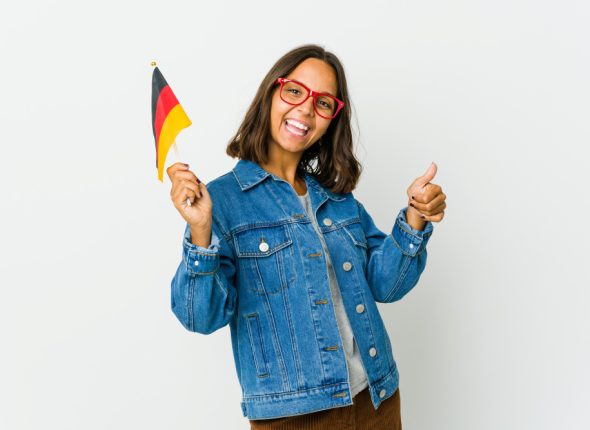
[495,335]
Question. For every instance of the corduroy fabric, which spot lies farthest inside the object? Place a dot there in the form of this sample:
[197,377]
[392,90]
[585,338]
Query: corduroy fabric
[361,415]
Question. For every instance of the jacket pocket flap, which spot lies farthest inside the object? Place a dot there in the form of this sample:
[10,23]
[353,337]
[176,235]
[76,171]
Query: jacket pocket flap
[356,233]
[262,241]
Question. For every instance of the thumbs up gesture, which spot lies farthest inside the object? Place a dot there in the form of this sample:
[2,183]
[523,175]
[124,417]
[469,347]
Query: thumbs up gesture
[426,200]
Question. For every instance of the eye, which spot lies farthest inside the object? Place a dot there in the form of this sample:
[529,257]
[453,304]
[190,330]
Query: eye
[325,103]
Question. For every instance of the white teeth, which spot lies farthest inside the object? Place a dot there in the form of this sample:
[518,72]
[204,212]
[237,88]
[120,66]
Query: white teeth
[297,124]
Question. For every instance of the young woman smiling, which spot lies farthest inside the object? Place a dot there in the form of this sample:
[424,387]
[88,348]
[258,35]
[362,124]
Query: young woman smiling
[281,250]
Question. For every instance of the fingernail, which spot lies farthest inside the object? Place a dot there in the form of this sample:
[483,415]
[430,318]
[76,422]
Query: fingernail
[413,198]
[422,216]
[198,181]
[187,166]
[412,204]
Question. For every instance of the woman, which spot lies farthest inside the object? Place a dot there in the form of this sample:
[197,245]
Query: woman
[294,263]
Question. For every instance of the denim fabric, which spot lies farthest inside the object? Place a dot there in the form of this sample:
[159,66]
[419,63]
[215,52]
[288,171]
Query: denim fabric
[356,371]
[361,415]
[265,275]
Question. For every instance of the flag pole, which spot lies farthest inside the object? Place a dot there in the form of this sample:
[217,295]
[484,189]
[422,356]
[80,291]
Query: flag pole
[177,153]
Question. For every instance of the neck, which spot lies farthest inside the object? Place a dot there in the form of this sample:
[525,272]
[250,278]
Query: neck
[284,165]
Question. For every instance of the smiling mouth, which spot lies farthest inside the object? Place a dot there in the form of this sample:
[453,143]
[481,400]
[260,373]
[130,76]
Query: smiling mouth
[295,130]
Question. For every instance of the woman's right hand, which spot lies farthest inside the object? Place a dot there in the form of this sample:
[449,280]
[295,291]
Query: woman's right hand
[185,185]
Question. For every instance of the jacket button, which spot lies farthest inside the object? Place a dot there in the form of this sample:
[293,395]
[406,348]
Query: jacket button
[347,265]
[360,308]
[196,263]
[382,393]
[327,221]
[372,352]
[263,247]
[411,245]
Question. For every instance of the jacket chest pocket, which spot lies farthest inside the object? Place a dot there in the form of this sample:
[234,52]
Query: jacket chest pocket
[266,258]
[356,238]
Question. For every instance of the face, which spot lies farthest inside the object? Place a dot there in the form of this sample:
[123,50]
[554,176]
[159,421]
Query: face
[317,76]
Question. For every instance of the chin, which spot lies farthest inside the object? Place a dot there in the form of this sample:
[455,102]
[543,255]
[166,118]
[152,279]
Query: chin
[292,147]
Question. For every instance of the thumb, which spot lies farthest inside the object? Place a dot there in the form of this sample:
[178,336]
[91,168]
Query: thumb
[429,175]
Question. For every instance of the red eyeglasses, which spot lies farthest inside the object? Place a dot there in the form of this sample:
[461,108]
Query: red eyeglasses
[295,93]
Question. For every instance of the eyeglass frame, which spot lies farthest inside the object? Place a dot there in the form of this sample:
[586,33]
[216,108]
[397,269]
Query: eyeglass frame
[310,93]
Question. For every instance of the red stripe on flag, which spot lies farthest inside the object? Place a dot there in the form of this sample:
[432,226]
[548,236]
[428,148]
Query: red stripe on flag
[166,101]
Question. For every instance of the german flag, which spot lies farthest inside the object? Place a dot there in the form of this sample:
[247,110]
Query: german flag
[168,118]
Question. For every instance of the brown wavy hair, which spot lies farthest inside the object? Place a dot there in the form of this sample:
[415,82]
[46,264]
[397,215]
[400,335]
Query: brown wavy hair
[330,160]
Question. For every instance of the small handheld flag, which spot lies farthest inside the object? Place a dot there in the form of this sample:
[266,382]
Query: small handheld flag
[168,118]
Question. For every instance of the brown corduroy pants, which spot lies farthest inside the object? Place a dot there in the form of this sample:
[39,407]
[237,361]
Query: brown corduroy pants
[361,415]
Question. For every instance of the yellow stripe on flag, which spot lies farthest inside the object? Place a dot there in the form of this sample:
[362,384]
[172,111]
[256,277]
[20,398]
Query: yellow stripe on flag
[175,121]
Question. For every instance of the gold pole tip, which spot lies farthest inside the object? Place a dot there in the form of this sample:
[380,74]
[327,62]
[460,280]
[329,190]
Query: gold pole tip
[153,64]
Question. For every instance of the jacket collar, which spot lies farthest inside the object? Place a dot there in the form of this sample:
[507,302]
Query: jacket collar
[249,174]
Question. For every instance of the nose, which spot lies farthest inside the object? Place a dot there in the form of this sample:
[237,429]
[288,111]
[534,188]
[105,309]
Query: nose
[307,106]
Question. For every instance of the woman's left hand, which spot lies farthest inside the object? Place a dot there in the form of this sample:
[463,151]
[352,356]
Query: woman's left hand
[425,199]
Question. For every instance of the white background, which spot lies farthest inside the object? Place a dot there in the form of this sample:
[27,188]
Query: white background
[495,335]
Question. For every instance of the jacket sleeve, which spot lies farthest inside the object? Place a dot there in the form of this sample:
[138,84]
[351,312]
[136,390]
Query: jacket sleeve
[203,294]
[394,261]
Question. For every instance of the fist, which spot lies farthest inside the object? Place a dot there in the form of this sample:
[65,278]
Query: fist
[426,198]
[190,196]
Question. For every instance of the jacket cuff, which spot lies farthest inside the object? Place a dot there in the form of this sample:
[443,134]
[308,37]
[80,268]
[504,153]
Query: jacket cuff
[200,260]
[411,241]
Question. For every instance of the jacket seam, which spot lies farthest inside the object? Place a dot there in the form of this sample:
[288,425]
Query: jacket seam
[391,372]
[276,343]
[216,278]
[293,337]
[400,248]
[400,279]
[288,393]
[261,397]
[189,304]
[412,234]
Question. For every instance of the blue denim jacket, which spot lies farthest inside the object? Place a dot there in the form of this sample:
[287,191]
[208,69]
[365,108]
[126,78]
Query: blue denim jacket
[265,274]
